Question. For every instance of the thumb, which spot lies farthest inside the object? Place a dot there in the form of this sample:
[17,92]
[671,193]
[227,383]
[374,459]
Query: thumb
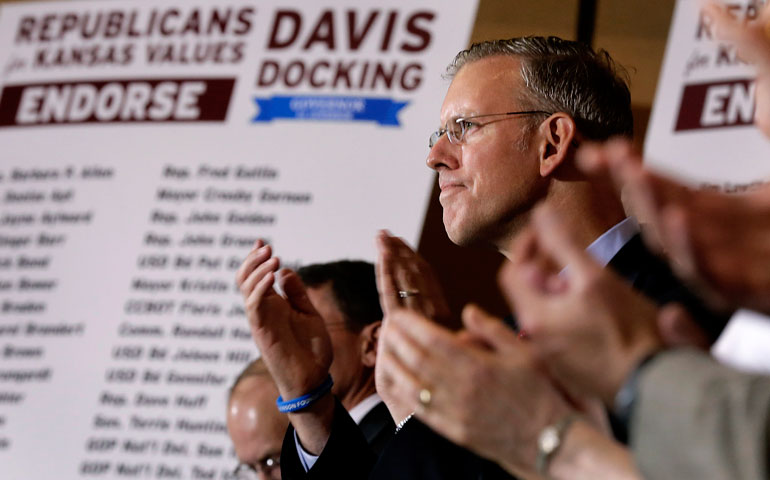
[295,291]
[487,328]
[677,328]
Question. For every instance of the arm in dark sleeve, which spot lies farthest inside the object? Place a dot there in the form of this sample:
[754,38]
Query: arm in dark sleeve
[346,454]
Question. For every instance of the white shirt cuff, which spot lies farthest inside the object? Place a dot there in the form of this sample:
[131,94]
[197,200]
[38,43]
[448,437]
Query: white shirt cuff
[305,458]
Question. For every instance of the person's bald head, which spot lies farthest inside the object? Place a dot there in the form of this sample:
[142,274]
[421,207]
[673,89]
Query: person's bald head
[255,425]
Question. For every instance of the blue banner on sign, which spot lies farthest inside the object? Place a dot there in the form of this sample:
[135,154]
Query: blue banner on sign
[329,108]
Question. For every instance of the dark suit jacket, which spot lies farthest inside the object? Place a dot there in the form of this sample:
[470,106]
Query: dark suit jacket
[419,453]
[652,276]
[378,427]
[351,451]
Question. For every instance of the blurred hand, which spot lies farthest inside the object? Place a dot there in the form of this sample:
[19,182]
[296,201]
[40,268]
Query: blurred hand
[399,268]
[586,325]
[718,243]
[486,391]
[752,40]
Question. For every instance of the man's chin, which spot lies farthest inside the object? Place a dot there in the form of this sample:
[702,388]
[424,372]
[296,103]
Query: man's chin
[463,237]
[474,235]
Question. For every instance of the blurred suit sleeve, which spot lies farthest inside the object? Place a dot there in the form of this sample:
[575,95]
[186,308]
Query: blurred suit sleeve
[694,418]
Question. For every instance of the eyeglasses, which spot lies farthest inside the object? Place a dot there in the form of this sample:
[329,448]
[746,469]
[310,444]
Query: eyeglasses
[458,127]
[245,471]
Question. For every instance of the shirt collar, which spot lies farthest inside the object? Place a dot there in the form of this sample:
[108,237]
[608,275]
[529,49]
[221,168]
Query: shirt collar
[610,242]
[364,406]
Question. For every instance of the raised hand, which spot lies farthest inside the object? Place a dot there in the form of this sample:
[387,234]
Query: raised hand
[585,324]
[291,337]
[404,279]
[718,243]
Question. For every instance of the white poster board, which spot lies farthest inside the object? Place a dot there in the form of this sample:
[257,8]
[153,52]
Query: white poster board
[701,127]
[144,147]
[701,131]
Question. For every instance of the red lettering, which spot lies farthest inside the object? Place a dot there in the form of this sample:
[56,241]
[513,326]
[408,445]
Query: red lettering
[313,81]
[268,74]
[385,45]
[356,38]
[323,31]
[421,33]
[26,25]
[114,22]
[244,19]
[280,17]
[165,29]
[193,23]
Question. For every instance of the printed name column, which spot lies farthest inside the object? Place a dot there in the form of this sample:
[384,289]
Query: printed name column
[184,332]
[37,219]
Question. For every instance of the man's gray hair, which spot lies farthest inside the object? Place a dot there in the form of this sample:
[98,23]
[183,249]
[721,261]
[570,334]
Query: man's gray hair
[565,76]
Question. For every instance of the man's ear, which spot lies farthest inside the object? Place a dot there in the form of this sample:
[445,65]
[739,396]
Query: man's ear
[557,134]
[369,336]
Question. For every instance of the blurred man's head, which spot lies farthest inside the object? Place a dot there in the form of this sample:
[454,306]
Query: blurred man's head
[255,425]
[345,295]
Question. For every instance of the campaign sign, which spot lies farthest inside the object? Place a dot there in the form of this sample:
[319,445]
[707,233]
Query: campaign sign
[146,146]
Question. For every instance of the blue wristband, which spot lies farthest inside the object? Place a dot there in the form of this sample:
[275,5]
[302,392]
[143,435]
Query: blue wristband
[306,400]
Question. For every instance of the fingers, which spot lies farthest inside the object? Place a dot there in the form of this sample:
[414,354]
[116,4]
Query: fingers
[724,26]
[418,355]
[422,349]
[750,37]
[676,235]
[520,281]
[611,160]
[254,258]
[268,265]
[678,329]
[386,282]
[408,274]
[489,329]
[519,285]
[645,193]
[254,300]
[243,271]
[397,382]
[295,291]
[423,335]
[400,268]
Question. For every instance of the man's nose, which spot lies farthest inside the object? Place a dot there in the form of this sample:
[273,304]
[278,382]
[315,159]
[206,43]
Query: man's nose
[443,154]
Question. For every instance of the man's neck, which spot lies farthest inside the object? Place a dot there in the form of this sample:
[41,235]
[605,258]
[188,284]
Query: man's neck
[362,409]
[359,394]
[598,210]
[597,207]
